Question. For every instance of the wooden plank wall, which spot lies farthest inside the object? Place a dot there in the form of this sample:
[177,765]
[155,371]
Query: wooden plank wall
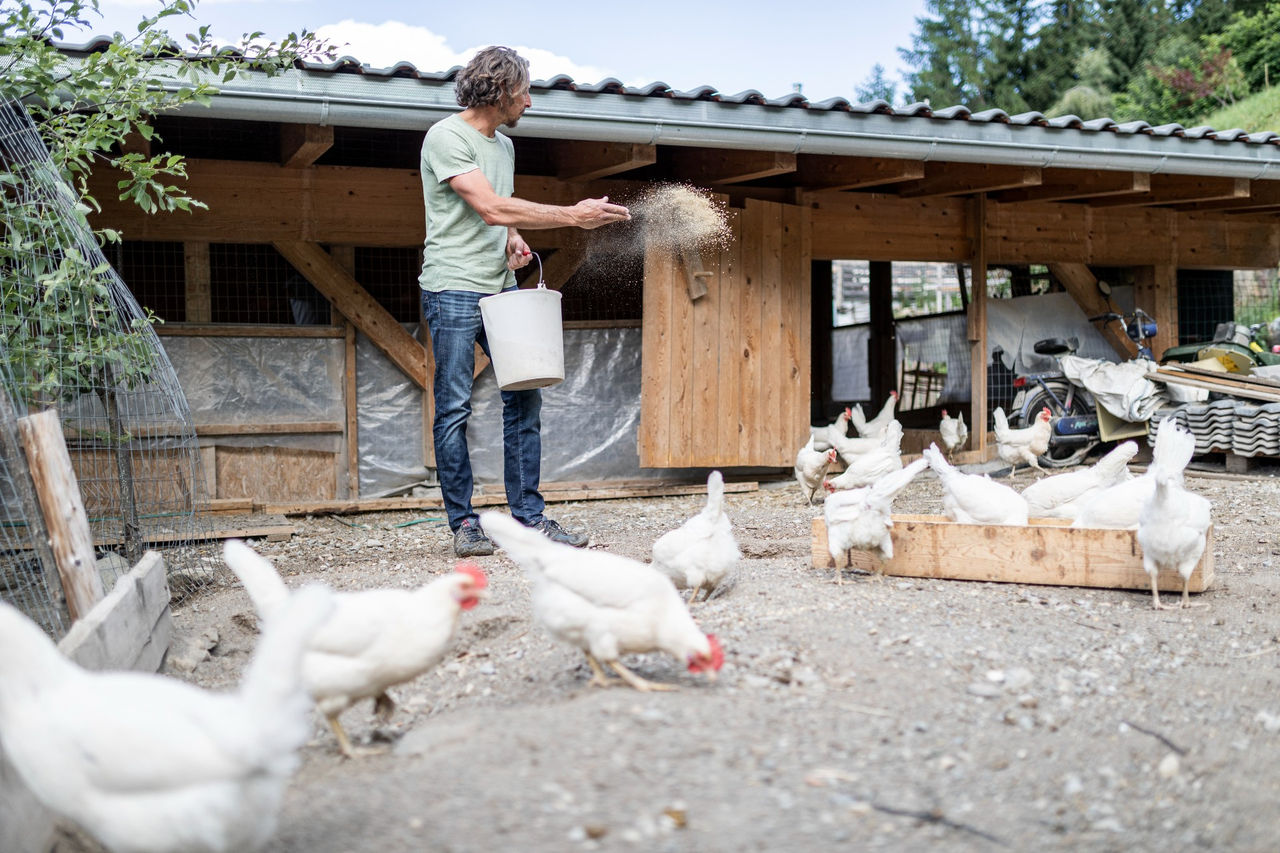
[725,376]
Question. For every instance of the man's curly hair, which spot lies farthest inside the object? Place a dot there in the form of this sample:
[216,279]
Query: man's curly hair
[493,75]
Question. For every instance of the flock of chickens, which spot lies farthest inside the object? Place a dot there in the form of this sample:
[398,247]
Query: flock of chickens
[148,764]
[1172,523]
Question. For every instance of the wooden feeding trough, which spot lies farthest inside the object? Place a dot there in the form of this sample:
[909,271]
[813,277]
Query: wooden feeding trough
[1046,551]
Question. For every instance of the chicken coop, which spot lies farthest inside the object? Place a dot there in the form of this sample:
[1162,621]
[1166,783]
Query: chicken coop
[291,312]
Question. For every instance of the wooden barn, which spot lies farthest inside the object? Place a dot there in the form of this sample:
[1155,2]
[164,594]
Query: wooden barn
[291,309]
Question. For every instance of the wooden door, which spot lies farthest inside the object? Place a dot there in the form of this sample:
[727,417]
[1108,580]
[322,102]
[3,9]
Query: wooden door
[725,376]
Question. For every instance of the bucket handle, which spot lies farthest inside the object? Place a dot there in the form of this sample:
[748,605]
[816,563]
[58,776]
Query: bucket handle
[541,284]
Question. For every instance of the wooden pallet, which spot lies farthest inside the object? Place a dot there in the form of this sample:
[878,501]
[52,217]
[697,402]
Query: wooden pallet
[1046,551]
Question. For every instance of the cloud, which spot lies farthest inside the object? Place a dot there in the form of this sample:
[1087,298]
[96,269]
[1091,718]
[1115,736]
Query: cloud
[383,45]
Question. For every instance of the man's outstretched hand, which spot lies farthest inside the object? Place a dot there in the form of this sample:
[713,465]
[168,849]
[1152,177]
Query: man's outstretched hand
[594,212]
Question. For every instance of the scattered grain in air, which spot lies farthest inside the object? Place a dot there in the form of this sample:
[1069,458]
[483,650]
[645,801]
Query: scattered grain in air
[678,216]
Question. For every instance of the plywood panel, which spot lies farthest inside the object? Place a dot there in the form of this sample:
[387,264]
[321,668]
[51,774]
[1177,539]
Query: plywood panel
[794,361]
[160,478]
[276,474]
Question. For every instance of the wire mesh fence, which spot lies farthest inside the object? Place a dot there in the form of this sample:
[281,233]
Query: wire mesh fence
[73,338]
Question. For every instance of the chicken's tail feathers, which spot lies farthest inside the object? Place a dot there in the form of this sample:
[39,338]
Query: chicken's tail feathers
[260,578]
[1110,466]
[859,419]
[960,417]
[890,484]
[526,546]
[715,492]
[937,461]
[273,685]
[1001,420]
[1173,449]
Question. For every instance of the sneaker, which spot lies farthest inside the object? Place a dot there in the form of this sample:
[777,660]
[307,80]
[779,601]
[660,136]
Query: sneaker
[469,540]
[556,533]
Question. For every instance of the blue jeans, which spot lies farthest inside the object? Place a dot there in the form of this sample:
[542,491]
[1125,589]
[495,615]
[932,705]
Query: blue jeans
[453,316]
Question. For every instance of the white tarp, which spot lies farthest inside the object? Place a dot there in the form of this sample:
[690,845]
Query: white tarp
[1122,389]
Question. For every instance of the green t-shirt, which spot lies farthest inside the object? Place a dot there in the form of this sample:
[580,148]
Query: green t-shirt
[461,252]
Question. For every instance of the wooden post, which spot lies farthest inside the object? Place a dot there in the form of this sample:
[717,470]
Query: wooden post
[345,256]
[882,368]
[1155,290]
[199,302]
[64,515]
[22,483]
[977,325]
[820,285]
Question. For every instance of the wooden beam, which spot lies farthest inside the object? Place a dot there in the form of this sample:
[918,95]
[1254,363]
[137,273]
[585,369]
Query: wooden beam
[63,509]
[24,490]
[1080,282]
[130,628]
[716,166]
[206,330]
[817,172]
[355,303]
[195,262]
[301,145]
[947,179]
[348,463]
[1046,551]
[976,325]
[561,264]
[1063,184]
[585,161]
[1175,189]
[1263,195]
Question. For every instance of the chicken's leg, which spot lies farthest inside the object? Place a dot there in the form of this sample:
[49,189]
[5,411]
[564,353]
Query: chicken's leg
[344,744]
[1186,595]
[1155,593]
[383,707]
[598,676]
[642,684]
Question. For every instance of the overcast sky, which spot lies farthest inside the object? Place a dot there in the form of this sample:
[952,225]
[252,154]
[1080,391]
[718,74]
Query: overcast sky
[826,47]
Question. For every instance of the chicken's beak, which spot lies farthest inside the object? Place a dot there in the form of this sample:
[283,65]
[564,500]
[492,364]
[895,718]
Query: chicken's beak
[711,675]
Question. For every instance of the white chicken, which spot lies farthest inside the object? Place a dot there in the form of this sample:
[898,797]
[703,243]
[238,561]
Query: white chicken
[605,604]
[875,426]
[811,467]
[374,640]
[1172,527]
[1119,506]
[869,466]
[975,499]
[1027,444]
[698,554]
[825,436]
[863,518]
[851,448]
[953,431]
[149,764]
[1062,495]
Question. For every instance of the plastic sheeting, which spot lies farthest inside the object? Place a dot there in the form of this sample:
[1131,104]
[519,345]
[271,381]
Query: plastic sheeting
[589,420]
[254,380]
[1016,324]
[1122,389]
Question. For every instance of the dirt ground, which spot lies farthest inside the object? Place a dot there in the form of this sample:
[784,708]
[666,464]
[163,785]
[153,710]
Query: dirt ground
[896,714]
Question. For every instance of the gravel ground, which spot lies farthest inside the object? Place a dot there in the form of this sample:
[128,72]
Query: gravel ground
[893,714]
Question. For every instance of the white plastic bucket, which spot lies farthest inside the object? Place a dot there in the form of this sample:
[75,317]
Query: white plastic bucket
[526,340]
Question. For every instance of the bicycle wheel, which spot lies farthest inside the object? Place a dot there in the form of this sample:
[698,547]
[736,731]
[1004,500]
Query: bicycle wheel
[1059,455]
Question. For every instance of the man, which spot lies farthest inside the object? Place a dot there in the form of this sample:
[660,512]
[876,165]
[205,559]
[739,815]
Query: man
[472,248]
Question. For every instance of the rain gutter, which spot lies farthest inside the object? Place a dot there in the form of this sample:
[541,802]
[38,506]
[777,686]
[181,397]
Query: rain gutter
[363,100]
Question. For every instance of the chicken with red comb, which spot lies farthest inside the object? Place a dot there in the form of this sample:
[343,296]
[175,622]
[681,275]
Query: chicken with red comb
[605,604]
[375,638]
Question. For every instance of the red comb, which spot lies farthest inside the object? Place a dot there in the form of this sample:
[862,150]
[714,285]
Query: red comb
[474,571]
